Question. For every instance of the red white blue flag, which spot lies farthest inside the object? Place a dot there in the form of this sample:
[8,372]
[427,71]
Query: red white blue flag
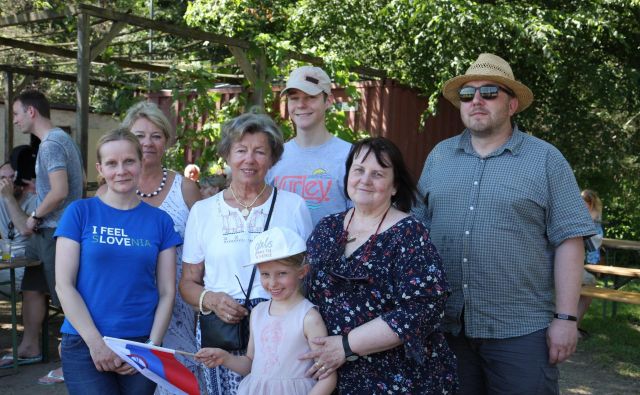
[158,364]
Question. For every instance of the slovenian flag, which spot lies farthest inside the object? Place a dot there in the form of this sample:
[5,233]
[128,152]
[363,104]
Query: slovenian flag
[158,364]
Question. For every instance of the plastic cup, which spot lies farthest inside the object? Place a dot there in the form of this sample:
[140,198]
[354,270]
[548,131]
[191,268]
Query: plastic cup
[5,246]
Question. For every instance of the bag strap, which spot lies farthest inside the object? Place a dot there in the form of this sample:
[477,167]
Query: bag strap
[266,226]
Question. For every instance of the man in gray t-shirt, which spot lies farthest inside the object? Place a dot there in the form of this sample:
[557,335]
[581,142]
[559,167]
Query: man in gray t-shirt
[59,181]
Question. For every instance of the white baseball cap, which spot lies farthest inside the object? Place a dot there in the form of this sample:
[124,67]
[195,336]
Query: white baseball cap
[275,243]
[309,79]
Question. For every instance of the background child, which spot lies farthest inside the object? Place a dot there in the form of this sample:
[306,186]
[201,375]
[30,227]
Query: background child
[592,253]
[281,328]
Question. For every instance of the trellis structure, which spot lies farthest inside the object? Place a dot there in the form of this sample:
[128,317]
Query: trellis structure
[88,52]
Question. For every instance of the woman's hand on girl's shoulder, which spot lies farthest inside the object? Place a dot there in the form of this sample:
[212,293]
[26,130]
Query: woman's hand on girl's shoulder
[211,357]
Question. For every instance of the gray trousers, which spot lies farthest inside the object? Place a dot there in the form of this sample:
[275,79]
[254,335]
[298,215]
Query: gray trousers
[518,365]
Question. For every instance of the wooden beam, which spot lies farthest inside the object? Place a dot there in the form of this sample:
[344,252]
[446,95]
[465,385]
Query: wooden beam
[8,114]
[29,72]
[82,87]
[177,30]
[23,84]
[99,47]
[32,17]
[65,53]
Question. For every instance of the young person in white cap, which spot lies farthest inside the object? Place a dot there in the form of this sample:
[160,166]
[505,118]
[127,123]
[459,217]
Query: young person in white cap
[505,213]
[313,162]
[281,328]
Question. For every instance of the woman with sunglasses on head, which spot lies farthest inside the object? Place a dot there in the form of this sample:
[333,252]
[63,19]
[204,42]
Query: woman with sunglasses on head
[115,274]
[379,284]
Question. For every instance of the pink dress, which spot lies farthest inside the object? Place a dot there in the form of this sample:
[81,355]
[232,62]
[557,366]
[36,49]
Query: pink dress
[278,342]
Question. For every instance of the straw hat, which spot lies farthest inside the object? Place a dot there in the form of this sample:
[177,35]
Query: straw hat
[274,244]
[489,67]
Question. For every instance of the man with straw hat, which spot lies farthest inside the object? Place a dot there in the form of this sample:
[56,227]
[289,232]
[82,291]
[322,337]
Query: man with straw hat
[504,211]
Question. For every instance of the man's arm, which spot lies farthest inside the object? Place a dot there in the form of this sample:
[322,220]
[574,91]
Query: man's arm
[562,335]
[17,216]
[59,190]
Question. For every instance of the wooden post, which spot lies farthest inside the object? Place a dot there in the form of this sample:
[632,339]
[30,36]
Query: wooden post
[8,115]
[82,87]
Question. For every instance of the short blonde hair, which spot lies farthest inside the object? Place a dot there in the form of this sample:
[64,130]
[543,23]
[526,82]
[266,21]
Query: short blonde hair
[152,113]
[120,134]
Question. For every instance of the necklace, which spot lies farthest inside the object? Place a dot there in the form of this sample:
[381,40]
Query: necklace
[245,210]
[157,191]
[346,239]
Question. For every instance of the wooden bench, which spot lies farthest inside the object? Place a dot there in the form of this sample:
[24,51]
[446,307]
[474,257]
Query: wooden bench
[613,295]
[620,276]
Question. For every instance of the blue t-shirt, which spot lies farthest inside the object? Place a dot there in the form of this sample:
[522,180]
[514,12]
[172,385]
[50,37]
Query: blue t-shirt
[118,257]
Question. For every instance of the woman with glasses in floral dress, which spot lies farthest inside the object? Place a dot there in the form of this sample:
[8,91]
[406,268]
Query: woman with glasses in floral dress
[379,285]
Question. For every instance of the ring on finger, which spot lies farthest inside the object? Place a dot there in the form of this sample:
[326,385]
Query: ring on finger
[317,364]
[322,367]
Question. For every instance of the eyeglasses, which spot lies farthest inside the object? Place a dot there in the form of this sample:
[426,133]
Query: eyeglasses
[348,280]
[487,92]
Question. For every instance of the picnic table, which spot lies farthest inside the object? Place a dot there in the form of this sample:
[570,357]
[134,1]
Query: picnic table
[12,265]
[614,277]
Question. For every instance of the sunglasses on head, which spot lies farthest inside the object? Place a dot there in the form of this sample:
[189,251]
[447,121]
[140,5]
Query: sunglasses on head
[487,92]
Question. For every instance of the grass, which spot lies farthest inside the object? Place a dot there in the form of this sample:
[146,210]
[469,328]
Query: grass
[614,341]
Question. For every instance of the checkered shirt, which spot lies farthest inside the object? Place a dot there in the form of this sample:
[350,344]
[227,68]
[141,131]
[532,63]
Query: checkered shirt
[496,222]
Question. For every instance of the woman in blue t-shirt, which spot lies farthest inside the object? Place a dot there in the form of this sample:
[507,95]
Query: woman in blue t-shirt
[115,274]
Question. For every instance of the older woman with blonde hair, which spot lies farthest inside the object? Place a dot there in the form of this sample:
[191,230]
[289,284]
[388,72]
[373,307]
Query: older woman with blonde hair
[220,229]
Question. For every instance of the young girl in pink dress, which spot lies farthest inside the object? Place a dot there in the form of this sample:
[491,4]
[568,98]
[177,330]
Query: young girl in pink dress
[281,328]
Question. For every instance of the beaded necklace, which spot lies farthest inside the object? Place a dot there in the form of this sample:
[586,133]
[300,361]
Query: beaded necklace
[157,191]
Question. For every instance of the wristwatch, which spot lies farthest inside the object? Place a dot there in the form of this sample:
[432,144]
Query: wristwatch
[349,355]
[33,215]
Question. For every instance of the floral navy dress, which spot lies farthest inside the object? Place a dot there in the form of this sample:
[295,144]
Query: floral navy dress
[399,279]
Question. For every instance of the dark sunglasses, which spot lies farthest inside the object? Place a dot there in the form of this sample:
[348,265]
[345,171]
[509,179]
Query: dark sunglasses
[487,92]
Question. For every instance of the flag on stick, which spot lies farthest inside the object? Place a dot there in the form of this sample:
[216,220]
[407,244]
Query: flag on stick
[158,364]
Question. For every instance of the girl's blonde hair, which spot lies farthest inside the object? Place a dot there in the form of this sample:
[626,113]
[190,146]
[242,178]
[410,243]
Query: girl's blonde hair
[593,201]
[297,260]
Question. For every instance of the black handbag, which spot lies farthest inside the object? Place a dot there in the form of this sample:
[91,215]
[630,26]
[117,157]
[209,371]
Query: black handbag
[231,337]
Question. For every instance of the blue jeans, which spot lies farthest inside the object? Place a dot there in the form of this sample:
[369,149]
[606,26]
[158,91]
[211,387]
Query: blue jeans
[82,377]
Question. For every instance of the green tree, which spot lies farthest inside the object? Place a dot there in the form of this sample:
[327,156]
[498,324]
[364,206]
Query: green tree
[579,58]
